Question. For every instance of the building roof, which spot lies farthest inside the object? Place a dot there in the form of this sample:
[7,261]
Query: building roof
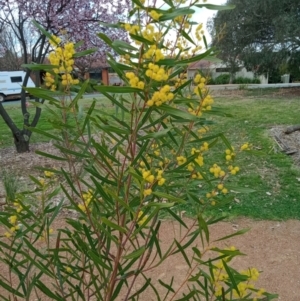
[203,64]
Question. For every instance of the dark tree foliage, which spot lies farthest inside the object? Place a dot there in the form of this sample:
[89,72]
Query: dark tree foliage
[265,35]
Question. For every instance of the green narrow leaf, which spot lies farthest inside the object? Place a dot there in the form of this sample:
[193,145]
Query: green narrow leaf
[216,7]
[196,58]
[175,13]
[231,276]
[175,216]
[110,25]
[155,135]
[188,296]
[187,37]
[140,290]
[79,94]
[117,90]
[99,259]
[112,225]
[243,231]
[45,94]
[45,133]
[105,38]
[181,250]
[141,39]
[50,156]
[10,289]
[122,44]
[167,286]
[136,253]
[178,113]
[85,52]
[47,291]
[203,226]
[45,32]
[240,189]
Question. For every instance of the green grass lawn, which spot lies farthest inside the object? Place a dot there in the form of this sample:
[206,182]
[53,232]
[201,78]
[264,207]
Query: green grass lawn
[271,173]
[14,111]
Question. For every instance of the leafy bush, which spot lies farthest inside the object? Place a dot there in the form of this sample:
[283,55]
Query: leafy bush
[246,80]
[119,175]
[256,81]
[222,79]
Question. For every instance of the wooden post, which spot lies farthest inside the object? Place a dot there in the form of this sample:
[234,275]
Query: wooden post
[105,78]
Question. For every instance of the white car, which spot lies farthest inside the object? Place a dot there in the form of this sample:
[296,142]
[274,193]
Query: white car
[11,84]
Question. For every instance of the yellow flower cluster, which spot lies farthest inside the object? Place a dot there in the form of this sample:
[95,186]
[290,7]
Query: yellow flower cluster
[134,81]
[196,49]
[147,192]
[157,73]
[207,102]
[132,29]
[203,130]
[161,96]
[199,159]
[233,170]
[200,80]
[156,150]
[154,15]
[62,58]
[150,178]
[48,174]
[217,171]
[181,45]
[199,32]
[229,155]
[164,162]
[69,269]
[49,80]
[222,188]
[159,177]
[181,160]
[154,54]
[191,168]
[18,206]
[150,34]
[13,219]
[183,20]
[54,41]
[86,197]
[245,146]
[244,287]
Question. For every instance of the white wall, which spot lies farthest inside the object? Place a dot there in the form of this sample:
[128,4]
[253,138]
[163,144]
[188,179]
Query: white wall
[242,73]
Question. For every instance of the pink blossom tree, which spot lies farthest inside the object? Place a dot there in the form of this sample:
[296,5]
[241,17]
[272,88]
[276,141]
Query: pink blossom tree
[76,19]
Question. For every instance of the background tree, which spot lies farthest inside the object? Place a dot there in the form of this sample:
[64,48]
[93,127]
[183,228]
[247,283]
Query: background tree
[75,18]
[262,34]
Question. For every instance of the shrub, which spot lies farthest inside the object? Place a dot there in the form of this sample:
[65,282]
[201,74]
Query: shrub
[256,81]
[121,175]
[246,80]
[222,79]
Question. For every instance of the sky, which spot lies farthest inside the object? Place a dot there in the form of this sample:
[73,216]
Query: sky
[202,15]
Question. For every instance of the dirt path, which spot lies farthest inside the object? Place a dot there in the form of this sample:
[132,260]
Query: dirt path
[272,247]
